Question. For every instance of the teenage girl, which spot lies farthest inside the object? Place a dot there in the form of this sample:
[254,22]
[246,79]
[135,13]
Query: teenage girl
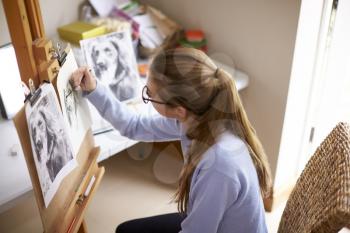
[225,172]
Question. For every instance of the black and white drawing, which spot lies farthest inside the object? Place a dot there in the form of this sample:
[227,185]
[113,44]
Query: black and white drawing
[113,62]
[75,108]
[52,149]
[70,103]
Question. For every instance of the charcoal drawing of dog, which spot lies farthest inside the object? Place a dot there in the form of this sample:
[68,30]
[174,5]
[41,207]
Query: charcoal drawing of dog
[50,143]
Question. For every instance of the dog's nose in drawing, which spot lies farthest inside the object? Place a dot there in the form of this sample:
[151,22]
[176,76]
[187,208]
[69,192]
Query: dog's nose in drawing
[39,145]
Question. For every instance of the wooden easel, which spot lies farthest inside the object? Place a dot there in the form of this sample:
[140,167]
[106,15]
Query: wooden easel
[66,211]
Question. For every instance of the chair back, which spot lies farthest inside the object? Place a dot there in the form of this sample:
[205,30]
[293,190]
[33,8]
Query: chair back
[320,200]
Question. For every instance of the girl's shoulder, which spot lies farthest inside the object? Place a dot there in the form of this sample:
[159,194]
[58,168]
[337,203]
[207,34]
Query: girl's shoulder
[228,156]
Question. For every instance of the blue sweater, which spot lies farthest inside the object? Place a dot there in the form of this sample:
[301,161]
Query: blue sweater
[224,192]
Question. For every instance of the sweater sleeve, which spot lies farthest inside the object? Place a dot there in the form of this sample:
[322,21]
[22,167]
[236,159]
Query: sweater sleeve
[212,194]
[130,124]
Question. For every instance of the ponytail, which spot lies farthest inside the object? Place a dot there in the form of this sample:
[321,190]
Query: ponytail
[247,133]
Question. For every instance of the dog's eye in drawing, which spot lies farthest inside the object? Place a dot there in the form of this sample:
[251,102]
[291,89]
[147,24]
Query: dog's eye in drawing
[96,53]
[40,124]
[108,52]
[34,133]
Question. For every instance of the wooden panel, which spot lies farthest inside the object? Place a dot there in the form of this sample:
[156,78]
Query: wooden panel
[43,50]
[48,70]
[21,38]
[35,19]
[83,228]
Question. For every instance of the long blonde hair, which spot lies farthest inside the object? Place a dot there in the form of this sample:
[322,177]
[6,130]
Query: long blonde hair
[189,78]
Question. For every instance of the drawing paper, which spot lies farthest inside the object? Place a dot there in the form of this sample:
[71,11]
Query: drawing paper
[112,60]
[76,113]
[51,145]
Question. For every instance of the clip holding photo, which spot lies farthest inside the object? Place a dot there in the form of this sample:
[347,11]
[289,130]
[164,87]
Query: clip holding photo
[34,94]
[61,53]
[34,97]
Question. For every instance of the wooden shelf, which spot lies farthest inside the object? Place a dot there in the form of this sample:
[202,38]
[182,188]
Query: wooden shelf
[79,209]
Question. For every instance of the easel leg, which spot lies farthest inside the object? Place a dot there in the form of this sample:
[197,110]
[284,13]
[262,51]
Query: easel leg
[83,227]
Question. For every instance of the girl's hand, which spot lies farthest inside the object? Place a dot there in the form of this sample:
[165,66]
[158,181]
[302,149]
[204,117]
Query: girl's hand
[84,79]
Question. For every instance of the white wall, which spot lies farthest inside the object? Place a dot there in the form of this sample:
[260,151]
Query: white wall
[55,13]
[299,92]
[259,35]
[4,33]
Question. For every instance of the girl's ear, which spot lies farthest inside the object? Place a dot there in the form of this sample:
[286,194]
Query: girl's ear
[181,113]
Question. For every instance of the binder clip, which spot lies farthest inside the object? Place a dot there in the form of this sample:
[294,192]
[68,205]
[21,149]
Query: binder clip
[60,54]
[34,95]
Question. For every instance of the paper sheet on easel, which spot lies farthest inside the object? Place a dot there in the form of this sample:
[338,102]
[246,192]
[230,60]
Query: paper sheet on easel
[51,145]
[75,108]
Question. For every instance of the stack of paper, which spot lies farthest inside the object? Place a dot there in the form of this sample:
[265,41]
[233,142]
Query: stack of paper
[104,7]
[150,36]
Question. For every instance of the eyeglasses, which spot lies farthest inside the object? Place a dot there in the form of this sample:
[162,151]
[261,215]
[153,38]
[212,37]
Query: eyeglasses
[146,98]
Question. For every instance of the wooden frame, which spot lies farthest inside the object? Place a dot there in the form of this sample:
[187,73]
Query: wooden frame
[66,211]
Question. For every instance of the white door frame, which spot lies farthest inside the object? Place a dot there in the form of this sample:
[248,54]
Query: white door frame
[330,97]
[301,84]
[317,85]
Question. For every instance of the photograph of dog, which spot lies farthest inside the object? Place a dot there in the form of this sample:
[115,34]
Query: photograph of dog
[113,62]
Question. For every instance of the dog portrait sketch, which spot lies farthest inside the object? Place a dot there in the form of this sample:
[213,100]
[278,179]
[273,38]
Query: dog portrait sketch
[113,61]
[49,140]
[75,109]
[71,105]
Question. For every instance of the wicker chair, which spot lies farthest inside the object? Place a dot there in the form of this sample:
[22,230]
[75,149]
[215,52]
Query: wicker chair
[320,201]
